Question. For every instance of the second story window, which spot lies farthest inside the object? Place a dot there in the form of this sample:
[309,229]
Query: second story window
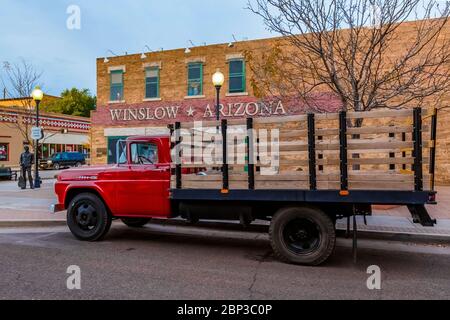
[152,82]
[116,89]
[195,79]
[236,82]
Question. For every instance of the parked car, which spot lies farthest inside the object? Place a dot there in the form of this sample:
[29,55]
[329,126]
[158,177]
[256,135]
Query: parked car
[63,160]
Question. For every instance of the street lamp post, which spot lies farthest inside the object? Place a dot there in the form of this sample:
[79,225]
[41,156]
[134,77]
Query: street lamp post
[37,95]
[218,80]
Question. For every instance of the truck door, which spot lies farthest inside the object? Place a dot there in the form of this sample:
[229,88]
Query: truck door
[145,189]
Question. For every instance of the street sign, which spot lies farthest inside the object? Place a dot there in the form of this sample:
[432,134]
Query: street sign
[37,133]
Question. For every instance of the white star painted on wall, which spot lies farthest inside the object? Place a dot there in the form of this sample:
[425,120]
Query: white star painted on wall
[190,112]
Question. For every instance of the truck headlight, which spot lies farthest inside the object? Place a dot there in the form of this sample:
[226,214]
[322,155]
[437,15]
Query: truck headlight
[49,162]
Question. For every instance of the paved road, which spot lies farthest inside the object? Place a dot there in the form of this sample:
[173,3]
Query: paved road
[173,262]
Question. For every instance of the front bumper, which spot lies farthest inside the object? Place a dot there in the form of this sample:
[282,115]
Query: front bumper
[54,208]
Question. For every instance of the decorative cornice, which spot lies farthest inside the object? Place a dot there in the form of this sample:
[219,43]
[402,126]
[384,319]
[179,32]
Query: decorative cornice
[157,64]
[233,56]
[195,59]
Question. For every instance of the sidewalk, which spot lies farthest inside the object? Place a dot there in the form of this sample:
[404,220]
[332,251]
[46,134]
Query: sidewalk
[44,174]
[25,207]
[394,225]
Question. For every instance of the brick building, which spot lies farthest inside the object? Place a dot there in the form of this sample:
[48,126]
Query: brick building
[140,94]
[61,132]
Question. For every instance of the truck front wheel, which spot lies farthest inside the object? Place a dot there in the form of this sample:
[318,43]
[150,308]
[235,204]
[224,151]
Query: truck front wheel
[302,235]
[87,217]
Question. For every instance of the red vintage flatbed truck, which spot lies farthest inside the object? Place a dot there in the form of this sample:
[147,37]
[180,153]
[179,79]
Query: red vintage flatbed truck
[303,201]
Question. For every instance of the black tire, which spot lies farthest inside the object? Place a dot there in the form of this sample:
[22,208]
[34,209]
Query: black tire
[135,222]
[78,164]
[302,235]
[87,217]
[56,166]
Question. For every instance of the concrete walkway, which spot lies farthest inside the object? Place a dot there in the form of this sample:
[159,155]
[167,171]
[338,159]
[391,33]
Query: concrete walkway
[26,205]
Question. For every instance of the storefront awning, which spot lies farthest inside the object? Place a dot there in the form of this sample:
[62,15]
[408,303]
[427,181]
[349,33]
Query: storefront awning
[69,138]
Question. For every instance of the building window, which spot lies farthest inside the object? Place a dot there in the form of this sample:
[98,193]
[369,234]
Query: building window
[152,82]
[116,85]
[4,151]
[236,82]
[195,79]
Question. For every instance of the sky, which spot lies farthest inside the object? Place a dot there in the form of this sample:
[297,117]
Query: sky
[37,32]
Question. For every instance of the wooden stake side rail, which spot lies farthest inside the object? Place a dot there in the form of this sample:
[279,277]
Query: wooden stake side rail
[392,150]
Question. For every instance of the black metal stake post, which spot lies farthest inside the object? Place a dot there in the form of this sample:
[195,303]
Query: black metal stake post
[171,128]
[178,155]
[343,151]
[417,134]
[250,154]
[37,179]
[433,147]
[312,152]
[224,157]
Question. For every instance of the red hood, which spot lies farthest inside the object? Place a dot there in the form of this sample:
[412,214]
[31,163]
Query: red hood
[86,173]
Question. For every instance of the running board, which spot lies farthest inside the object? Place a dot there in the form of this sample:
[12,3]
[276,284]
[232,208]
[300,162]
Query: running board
[420,215]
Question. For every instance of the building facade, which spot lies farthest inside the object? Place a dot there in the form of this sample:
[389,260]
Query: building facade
[61,133]
[140,94]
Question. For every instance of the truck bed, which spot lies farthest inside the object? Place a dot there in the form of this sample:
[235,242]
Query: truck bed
[391,150]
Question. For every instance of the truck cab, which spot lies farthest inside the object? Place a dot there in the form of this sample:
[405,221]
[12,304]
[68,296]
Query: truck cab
[135,189]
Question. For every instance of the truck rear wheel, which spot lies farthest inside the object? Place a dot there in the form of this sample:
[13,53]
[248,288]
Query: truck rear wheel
[302,235]
[135,222]
[87,217]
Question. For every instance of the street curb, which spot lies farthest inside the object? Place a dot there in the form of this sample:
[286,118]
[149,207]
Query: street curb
[31,223]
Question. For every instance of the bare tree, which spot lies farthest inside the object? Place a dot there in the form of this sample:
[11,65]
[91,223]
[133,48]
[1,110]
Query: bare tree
[19,80]
[368,53]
